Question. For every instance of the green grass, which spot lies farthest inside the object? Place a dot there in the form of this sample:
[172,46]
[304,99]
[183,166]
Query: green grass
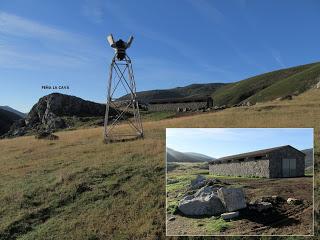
[269,86]
[213,226]
[156,116]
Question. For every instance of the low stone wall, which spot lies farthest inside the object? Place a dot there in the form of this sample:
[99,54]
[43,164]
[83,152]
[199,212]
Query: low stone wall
[159,107]
[259,168]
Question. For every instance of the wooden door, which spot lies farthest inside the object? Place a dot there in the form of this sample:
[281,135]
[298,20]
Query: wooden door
[285,167]
[289,167]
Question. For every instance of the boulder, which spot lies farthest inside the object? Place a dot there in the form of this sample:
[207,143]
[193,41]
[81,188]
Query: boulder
[229,215]
[232,198]
[199,182]
[204,202]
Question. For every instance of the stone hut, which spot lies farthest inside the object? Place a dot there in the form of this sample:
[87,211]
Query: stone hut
[172,104]
[278,162]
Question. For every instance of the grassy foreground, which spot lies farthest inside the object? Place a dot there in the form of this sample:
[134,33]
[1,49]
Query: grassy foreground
[79,188]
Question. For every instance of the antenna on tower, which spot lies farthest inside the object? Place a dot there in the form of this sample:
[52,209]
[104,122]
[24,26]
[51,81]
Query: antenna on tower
[124,110]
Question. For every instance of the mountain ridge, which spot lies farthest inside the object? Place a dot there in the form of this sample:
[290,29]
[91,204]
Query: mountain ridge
[10,109]
[176,156]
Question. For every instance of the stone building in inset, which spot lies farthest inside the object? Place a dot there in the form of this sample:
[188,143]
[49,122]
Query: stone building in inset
[278,162]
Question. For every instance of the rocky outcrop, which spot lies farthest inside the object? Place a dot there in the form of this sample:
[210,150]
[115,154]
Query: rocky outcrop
[47,115]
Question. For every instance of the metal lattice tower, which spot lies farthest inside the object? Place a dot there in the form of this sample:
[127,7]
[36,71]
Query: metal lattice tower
[122,119]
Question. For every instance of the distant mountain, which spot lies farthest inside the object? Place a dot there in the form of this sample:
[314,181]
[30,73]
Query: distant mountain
[193,90]
[7,118]
[175,156]
[260,88]
[308,159]
[269,86]
[10,109]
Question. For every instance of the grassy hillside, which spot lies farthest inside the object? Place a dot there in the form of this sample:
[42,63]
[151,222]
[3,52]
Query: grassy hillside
[7,118]
[193,90]
[269,86]
[79,188]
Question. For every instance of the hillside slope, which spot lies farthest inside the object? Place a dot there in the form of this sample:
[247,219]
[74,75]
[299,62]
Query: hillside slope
[269,86]
[10,109]
[6,120]
[80,188]
[175,156]
[193,90]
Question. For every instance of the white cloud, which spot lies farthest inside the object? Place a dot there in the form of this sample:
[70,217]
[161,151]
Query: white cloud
[56,48]
[17,26]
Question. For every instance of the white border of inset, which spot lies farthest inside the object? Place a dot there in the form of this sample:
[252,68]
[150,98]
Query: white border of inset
[261,235]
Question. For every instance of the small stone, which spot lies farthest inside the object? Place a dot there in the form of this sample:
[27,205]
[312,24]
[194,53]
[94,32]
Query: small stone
[294,201]
[229,215]
[172,218]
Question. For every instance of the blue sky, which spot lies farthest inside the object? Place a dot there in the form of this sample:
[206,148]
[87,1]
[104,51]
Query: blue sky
[176,43]
[220,142]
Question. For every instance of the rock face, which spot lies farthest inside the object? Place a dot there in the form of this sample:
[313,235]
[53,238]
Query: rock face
[232,198]
[48,112]
[204,202]
[49,108]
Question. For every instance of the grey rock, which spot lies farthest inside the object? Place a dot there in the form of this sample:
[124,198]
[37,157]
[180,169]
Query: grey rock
[294,201]
[172,218]
[203,202]
[206,191]
[229,215]
[209,205]
[232,198]
[199,182]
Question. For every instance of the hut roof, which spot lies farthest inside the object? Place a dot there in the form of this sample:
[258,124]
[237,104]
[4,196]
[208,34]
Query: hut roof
[259,153]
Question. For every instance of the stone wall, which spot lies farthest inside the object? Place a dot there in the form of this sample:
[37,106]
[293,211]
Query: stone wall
[249,167]
[276,161]
[159,107]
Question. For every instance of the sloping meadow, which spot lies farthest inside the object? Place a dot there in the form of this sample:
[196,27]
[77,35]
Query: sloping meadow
[77,187]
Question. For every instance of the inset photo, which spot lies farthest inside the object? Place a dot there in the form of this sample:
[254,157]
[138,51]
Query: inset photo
[239,181]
